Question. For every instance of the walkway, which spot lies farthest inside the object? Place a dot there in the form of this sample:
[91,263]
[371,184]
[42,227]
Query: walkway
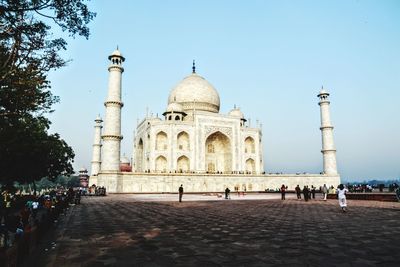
[152,230]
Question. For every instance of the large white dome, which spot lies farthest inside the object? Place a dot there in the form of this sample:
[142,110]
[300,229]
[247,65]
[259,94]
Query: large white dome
[194,92]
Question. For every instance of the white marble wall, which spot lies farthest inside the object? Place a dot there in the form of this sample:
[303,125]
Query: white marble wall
[199,128]
[158,183]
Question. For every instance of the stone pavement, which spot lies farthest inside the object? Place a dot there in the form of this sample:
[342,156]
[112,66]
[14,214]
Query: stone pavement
[156,230]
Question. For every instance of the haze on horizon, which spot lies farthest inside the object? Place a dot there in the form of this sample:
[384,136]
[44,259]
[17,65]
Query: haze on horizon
[270,58]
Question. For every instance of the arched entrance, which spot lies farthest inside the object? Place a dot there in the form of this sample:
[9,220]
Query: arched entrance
[250,166]
[161,164]
[218,153]
[161,141]
[183,164]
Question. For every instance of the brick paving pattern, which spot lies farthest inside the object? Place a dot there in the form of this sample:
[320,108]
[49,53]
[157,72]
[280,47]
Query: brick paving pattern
[122,231]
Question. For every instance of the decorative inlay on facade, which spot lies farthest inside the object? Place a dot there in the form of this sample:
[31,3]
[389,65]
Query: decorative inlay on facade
[208,130]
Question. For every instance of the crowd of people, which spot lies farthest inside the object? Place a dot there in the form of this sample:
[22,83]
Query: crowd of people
[25,218]
[22,213]
[309,193]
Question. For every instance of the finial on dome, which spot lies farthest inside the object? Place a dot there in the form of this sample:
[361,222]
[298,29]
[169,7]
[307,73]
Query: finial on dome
[117,47]
[234,106]
[194,67]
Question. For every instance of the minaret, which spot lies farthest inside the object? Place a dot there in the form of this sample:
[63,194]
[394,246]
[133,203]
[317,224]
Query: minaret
[112,125]
[328,146]
[96,159]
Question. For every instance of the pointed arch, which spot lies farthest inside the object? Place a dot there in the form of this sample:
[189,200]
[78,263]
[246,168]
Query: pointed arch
[183,141]
[249,145]
[218,152]
[183,164]
[250,165]
[161,141]
[161,164]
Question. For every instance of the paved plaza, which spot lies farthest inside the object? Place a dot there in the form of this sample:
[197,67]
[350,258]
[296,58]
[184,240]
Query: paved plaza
[254,230]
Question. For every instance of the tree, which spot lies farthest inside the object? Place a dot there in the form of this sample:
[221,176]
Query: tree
[28,51]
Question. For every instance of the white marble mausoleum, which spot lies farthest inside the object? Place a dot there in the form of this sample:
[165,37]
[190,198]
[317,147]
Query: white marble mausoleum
[192,144]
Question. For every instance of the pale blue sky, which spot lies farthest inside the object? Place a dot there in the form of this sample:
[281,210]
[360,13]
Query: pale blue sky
[268,57]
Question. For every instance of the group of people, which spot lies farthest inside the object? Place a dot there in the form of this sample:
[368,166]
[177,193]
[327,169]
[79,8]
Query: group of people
[309,193]
[97,191]
[19,213]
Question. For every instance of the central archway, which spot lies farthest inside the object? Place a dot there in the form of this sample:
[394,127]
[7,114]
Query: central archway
[218,153]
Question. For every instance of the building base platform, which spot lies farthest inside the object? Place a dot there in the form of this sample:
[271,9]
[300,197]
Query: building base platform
[122,182]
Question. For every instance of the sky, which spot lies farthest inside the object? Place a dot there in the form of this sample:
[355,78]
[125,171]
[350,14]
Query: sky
[270,58]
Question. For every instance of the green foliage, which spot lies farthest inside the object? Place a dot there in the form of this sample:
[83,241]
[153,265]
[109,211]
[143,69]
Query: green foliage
[65,181]
[28,51]
[29,153]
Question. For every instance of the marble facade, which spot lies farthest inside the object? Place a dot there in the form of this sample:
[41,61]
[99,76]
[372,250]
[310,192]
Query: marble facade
[193,144]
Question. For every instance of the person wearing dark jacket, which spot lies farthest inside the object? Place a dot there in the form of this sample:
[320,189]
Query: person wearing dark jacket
[180,193]
[306,193]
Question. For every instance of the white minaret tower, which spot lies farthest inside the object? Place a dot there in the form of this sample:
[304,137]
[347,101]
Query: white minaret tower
[96,159]
[328,146]
[112,125]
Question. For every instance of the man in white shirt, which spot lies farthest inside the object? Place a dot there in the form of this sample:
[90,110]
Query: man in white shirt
[342,197]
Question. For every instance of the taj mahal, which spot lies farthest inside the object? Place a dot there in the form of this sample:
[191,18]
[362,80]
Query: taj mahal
[193,144]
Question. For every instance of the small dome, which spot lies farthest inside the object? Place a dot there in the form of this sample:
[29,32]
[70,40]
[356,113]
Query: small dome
[323,92]
[125,160]
[236,112]
[116,53]
[195,92]
[174,107]
[83,169]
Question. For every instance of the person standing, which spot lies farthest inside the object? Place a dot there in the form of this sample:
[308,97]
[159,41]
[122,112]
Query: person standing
[283,191]
[342,197]
[305,193]
[180,193]
[227,192]
[298,192]
[313,191]
[325,192]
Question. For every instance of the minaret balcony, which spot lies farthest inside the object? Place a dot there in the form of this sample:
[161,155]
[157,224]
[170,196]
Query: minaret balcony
[326,127]
[112,137]
[116,67]
[113,103]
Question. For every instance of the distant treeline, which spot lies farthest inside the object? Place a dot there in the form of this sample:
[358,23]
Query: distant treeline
[375,182]
[44,184]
